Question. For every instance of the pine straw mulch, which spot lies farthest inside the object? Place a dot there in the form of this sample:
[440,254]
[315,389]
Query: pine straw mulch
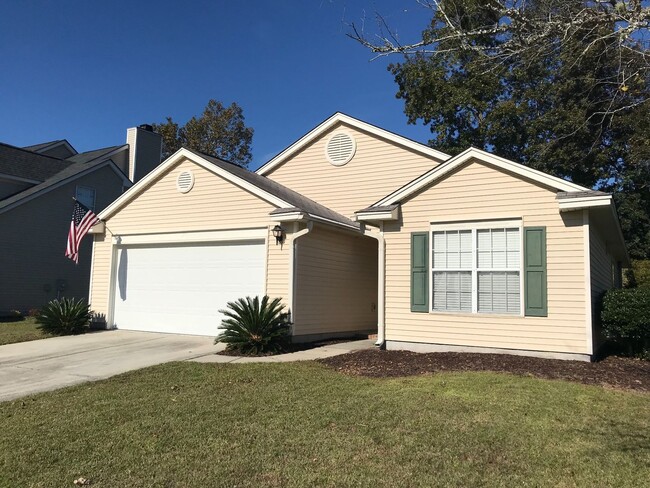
[612,372]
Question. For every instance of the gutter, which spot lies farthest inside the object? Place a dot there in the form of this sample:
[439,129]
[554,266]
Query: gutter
[381,282]
[292,267]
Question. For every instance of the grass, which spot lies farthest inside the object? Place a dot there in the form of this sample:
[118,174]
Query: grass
[22,331]
[302,424]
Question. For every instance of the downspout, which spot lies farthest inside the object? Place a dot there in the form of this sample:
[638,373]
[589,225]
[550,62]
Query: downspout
[381,281]
[292,268]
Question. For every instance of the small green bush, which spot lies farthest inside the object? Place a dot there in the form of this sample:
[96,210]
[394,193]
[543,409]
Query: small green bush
[626,319]
[255,326]
[66,316]
[638,274]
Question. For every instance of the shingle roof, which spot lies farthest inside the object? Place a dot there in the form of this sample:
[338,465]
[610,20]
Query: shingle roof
[42,145]
[295,199]
[22,163]
[87,156]
[68,172]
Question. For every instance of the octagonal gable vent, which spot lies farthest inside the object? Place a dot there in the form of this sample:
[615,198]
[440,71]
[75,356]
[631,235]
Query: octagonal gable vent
[185,181]
[340,148]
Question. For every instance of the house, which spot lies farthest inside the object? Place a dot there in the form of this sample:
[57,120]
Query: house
[37,184]
[379,234]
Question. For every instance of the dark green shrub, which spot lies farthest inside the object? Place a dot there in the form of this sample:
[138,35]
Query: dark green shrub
[66,316]
[626,319]
[638,274]
[255,326]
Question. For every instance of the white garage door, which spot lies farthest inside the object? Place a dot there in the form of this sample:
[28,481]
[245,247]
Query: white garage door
[180,289]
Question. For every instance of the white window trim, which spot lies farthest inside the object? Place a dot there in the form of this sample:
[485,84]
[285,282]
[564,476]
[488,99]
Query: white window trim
[76,194]
[474,226]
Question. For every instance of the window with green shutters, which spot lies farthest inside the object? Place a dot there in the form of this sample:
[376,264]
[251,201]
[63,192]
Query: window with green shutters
[535,286]
[420,272]
[494,267]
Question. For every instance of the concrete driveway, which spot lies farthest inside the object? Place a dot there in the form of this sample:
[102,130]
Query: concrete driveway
[48,364]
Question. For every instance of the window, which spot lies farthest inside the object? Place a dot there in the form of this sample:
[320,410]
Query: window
[86,196]
[476,268]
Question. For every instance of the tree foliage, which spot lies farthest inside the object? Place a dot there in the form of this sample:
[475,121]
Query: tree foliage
[219,131]
[571,100]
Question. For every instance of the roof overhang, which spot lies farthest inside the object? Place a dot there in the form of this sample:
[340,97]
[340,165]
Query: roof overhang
[568,204]
[452,164]
[370,214]
[338,118]
[178,156]
[53,186]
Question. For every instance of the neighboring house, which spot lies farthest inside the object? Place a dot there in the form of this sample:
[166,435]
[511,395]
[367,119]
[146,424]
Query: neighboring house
[37,185]
[381,234]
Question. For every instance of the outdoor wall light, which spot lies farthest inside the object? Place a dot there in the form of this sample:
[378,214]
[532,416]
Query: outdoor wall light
[278,233]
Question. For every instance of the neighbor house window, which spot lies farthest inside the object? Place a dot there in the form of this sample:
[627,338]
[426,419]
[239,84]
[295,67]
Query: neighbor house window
[86,196]
[476,268]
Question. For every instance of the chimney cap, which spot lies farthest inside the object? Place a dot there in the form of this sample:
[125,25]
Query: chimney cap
[147,127]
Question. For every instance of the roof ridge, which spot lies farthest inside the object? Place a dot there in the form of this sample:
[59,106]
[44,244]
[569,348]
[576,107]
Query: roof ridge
[31,152]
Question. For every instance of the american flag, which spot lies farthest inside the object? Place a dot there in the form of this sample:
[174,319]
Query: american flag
[82,220]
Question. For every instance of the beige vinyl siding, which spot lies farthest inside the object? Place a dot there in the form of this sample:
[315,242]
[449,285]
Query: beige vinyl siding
[602,278]
[378,168]
[33,240]
[481,192]
[336,283]
[212,204]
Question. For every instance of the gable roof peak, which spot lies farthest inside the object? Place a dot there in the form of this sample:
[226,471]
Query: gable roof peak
[451,164]
[340,117]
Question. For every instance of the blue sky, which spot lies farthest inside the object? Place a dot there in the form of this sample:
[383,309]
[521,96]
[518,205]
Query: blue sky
[87,70]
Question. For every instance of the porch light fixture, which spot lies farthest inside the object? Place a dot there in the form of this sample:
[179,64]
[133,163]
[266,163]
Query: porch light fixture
[278,233]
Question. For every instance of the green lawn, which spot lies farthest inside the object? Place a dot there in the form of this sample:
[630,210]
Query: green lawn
[302,424]
[22,331]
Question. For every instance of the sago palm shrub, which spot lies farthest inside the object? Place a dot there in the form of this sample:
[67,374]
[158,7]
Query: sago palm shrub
[66,316]
[255,326]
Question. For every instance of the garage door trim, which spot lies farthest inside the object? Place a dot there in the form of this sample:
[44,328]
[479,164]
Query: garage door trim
[207,237]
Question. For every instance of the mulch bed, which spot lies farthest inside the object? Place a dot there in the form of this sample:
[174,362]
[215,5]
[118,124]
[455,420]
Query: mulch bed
[613,372]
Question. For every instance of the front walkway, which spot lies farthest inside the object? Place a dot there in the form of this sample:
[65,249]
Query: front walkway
[307,355]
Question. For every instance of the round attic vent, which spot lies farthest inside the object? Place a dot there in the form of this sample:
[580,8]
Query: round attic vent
[340,148]
[185,181]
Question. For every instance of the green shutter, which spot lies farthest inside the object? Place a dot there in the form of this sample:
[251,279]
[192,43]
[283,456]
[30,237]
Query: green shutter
[420,272]
[535,271]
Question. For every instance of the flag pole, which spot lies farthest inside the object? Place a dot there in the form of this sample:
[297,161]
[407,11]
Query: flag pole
[100,220]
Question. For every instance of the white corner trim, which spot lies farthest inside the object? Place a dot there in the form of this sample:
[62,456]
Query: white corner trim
[484,156]
[195,158]
[192,237]
[293,267]
[358,124]
[587,272]
[381,281]
[584,202]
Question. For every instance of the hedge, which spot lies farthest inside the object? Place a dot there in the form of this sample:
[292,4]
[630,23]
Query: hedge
[626,318]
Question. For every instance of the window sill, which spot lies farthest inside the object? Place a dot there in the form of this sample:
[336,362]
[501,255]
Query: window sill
[476,315]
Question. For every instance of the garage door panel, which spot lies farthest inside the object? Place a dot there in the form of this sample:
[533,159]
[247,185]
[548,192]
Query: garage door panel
[180,289]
